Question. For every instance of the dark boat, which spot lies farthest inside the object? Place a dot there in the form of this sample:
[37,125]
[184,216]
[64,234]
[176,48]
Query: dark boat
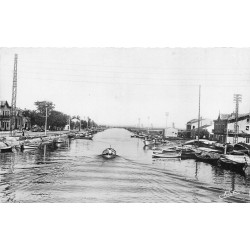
[209,157]
[4,147]
[187,152]
[234,162]
[109,153]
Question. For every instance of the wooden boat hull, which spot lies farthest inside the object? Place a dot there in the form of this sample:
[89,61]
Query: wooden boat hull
[29,147]
[5,150]
[237,163]
[166,155]
[206,159]
[188,155]
[109,156]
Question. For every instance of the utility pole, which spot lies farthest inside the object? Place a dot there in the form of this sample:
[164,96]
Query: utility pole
[166,119]
[166,123]
[13,101]
[199,113]
[237,100]
[148,124]
[46,118]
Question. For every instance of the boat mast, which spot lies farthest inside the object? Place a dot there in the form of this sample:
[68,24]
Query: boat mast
[199,111]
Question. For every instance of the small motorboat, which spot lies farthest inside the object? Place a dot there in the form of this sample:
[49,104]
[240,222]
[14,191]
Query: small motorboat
[109,153]
[86,136]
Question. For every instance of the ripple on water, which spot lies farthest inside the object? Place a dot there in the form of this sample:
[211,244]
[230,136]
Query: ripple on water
[75,172]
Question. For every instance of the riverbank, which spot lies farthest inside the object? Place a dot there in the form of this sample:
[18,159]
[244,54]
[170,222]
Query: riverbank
[38,134]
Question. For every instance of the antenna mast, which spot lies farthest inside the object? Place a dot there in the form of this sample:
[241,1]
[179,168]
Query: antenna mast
[13,101]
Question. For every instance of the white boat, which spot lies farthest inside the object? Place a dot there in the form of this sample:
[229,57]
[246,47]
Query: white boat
[175,154]
[29,146]
[148,142]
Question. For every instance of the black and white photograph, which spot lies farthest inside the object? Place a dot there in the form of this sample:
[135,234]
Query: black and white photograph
[125,125]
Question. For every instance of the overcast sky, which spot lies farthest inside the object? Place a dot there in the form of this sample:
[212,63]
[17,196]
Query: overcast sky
[117,85]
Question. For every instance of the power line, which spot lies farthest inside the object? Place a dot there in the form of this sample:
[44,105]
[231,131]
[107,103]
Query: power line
[185,82]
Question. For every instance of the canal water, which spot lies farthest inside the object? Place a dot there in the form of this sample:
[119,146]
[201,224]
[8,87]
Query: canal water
[75,172]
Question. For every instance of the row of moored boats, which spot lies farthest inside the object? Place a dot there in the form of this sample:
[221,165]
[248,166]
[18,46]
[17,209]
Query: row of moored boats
[28,143]
[235,157]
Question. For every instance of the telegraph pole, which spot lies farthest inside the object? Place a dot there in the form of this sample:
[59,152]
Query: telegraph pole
[148,124]
[166,123]
[13,101]
[199,113]
[237,100]
[46,121]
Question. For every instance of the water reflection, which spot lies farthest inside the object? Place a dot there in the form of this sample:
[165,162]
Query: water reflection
[73,171]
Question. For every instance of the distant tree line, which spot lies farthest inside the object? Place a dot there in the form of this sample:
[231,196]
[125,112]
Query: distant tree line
[56,120]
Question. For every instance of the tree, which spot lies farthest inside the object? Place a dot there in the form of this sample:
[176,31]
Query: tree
[83,124]
[41,107]
[57,120]
[35,118]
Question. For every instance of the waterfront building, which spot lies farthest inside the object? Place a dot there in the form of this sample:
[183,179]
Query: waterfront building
[243,129]
[220,127]
[192,126]
[224,130]
[5,116]
[170,132]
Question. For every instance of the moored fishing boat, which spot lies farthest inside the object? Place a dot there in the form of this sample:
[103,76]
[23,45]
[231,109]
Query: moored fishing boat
[59,140]
[187,152]
[175,154]
[109,153]
[87,137]
[29,146]
[148,142]
[209,157]
[234,162]
[4,147]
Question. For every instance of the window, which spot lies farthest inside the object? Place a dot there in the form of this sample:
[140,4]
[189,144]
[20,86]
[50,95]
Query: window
[247,140]
[247,127]
[193,127]
[247,119]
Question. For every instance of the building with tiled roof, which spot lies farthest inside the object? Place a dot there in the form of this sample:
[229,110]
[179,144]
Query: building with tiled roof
[5,116]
